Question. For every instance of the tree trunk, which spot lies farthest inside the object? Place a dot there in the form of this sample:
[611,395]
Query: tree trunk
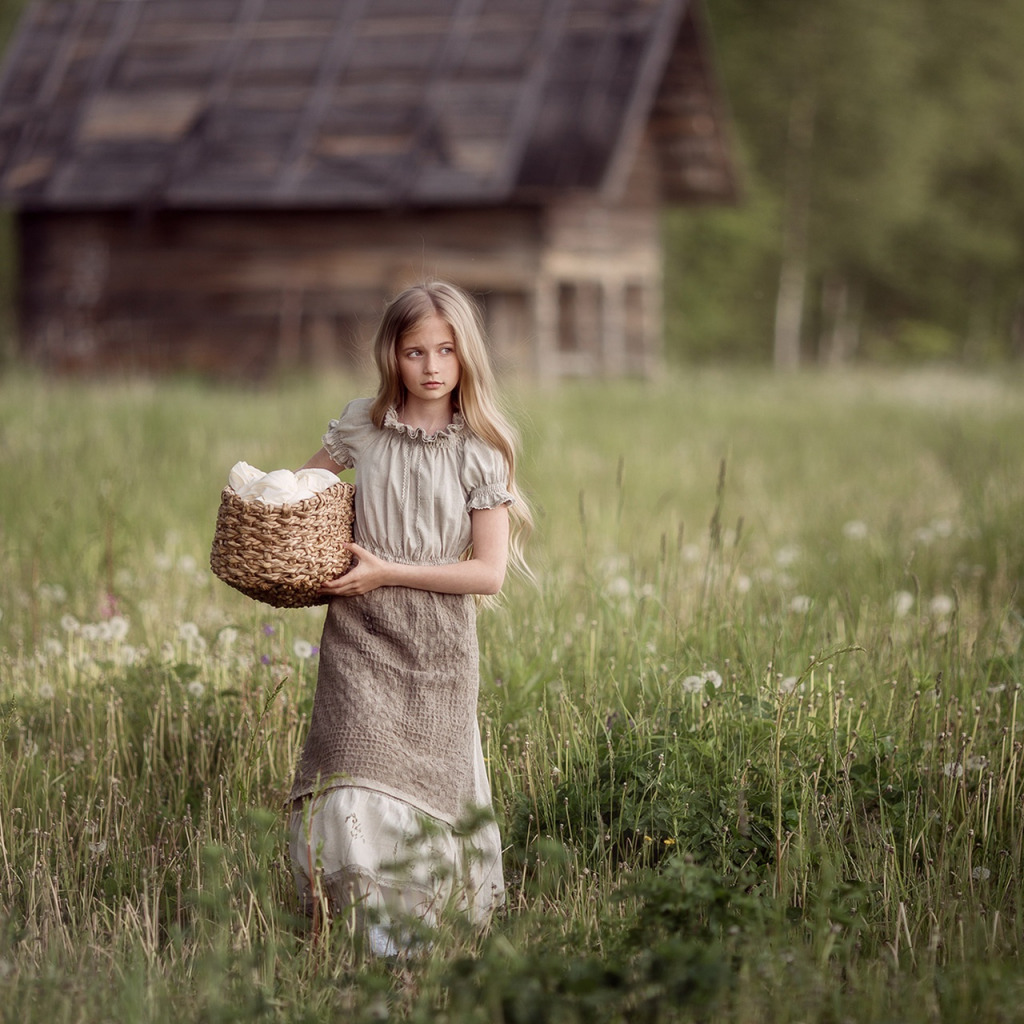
[841,306]
[789,304]
[1017,329]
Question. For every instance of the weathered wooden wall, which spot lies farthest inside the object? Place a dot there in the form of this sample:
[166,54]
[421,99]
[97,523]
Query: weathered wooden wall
[248,293]
[567,289]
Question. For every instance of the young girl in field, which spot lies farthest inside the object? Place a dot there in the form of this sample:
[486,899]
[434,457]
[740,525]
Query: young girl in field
[393,762]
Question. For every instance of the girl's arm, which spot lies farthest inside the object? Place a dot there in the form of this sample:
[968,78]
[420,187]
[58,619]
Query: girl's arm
[322,461]
[483,573]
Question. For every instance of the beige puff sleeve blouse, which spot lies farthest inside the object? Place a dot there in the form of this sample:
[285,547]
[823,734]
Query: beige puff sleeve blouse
[415,491]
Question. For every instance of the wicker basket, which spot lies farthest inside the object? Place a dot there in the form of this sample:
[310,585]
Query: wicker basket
[283,554]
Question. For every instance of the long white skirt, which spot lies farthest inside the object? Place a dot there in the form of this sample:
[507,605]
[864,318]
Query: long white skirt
[386,862]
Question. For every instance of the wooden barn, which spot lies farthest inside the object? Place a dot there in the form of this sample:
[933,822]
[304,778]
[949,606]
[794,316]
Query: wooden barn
[235,186]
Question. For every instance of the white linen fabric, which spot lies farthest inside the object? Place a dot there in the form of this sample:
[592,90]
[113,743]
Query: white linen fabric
[279,486]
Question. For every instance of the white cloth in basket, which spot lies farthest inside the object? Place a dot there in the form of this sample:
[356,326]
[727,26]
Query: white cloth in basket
[279,486]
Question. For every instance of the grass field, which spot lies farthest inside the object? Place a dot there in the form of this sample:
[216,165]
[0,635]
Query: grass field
[755,739]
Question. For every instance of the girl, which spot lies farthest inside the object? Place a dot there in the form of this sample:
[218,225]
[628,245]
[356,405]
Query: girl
[393,761]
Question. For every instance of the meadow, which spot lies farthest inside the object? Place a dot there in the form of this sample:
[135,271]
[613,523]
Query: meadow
[755,736]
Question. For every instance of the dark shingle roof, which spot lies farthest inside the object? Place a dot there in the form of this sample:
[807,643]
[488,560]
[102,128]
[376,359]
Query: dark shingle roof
[349,103]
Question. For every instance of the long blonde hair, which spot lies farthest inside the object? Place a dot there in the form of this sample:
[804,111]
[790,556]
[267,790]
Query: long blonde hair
[475,396]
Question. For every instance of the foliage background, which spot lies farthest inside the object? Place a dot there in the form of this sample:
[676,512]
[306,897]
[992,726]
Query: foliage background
[880,149]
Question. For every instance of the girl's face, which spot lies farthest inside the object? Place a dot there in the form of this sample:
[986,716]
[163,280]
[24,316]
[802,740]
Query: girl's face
[427,361]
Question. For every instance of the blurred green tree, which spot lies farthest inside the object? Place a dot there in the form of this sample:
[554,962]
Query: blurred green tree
[881,145]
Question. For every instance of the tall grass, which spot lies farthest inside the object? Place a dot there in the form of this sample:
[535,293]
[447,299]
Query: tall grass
[755,740]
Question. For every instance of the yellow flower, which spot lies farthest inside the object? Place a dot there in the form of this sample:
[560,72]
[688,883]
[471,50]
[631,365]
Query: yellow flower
[669,842]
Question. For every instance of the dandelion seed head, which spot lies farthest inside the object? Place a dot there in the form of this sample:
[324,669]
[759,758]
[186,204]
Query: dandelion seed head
[46,691]
[196,689]
[855,529]
[118,627]
[801,604]
[692,684]
[941,605]
[981,874]
[787,555]
[226,638]
[52,647]
[303,649]
[69,623]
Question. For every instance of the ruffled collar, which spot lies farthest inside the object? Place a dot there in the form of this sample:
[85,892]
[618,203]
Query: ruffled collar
[445,436]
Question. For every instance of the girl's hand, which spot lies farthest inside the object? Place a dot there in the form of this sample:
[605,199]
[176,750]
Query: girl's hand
[368,572]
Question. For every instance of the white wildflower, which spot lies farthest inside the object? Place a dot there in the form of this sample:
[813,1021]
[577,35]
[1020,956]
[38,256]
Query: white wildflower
[69,623]
[129,655]
[981,874]
[228,635]
[196,689]
[692,684]
[619,586]
[303,649]
[801,604]
[855,529]
[712,677]
[941,605]
[788,685]
[902,603]
[953,770]
[787,555]
[52,647]
[118,628]
[742,584]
